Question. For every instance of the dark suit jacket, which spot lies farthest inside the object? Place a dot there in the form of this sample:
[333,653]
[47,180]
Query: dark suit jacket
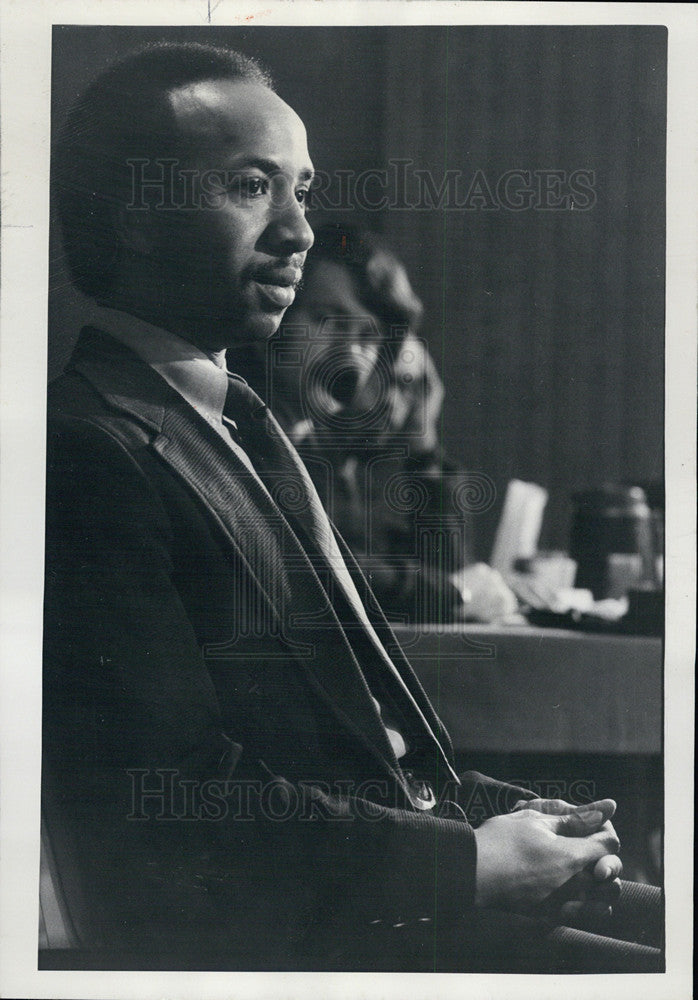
[192,652]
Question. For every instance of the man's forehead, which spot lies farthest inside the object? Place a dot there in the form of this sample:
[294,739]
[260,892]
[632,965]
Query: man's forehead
[229,110]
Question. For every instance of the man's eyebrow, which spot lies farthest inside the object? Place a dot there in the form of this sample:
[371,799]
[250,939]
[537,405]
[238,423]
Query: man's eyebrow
[269,167]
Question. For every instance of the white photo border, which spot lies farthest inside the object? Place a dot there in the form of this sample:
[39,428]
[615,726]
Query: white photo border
[25,37]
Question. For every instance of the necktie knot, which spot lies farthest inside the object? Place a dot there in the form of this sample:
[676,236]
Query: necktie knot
[242,401]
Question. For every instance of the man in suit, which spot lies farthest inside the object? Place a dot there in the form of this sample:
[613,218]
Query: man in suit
[248,771]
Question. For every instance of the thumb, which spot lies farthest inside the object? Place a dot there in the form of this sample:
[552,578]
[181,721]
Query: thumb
[583,820]
[579,824]
[606,806]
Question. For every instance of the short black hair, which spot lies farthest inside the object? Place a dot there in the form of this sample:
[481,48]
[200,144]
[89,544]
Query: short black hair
[124,115]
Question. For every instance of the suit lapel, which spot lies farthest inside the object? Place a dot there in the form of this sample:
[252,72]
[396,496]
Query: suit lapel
[408,679]
[253,527]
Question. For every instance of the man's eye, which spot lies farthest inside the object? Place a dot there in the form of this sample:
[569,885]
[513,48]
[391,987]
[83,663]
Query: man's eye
[252,187]
[248,187]
[304,197]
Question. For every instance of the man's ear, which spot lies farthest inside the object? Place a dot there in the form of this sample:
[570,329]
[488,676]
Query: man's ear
[135,229]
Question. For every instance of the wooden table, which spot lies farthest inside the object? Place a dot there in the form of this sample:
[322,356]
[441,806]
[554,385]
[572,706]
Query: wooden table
[530,690]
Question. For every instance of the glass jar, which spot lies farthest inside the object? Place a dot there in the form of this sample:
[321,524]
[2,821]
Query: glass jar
[612,540]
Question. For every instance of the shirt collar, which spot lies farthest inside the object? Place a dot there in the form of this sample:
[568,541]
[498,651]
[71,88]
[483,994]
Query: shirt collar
[185,367]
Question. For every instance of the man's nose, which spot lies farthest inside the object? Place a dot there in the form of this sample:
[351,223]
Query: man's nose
[289,230]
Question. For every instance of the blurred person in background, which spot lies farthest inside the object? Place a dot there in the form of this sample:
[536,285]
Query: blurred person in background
[360,397]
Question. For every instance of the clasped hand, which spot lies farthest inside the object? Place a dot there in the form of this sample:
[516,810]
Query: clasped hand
[527,856]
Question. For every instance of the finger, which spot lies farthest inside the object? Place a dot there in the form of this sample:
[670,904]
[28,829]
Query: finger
[607,868]
[583,821]
[608,835]
[608,838]
[559,807]
[606,806]
[551,807]
[586,851]
[526,804]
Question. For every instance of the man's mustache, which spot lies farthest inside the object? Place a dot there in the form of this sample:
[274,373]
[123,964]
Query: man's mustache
[285,275]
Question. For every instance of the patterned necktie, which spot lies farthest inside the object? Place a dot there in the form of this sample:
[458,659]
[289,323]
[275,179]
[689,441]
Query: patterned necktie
[280,467]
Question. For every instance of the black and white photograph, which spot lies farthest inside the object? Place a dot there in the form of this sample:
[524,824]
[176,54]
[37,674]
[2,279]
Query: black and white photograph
[359,519]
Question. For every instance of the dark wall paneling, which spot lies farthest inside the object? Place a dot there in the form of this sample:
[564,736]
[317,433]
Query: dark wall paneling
[548,325]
